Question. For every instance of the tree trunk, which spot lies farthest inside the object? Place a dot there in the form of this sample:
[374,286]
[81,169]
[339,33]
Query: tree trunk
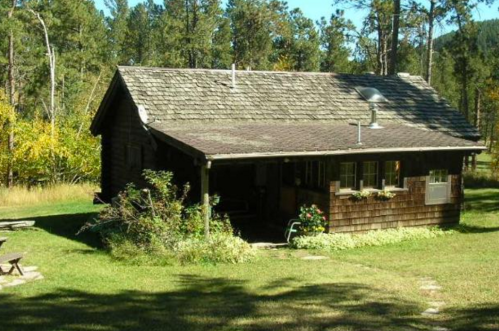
[429,57]
[12,101]
[395,37]
[477,122]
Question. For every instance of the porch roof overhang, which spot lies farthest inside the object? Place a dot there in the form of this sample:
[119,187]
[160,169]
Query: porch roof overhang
[231,141]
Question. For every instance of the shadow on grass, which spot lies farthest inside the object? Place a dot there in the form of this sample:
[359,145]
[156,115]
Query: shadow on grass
[213,304]
[482,200]
[465,228]
[67,226]
[484,317]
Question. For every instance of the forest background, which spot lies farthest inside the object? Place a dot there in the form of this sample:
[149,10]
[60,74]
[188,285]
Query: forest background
[57,58]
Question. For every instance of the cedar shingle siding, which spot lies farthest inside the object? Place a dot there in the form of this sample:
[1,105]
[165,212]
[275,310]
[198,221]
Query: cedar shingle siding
[260,133]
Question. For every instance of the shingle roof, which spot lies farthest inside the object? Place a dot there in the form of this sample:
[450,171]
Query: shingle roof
[206,95]
[295,111]
[219,141]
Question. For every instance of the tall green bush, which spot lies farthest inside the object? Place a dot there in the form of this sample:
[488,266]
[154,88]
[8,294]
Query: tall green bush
[157,221]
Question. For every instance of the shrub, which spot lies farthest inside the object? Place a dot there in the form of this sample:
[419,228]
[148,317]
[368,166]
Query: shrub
[220,248]
[157,222]
[342,241]
[312,220]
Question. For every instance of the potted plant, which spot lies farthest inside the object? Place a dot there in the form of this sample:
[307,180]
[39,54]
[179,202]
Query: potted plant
[361,195]
[385,195]
[312,220]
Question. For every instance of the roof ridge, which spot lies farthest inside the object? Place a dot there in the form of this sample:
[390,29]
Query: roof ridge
[298,73]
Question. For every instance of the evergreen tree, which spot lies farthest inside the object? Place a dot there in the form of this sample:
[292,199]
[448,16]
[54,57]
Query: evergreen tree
[195,34]
[335,35]
[117,29]
[252,33]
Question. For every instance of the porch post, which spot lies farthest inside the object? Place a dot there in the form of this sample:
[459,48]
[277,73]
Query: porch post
[205,197]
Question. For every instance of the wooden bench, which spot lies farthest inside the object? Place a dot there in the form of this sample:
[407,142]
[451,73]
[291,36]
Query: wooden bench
[13,259]
[2,241]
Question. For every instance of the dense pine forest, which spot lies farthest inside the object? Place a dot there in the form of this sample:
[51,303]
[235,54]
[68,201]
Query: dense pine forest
[58,56]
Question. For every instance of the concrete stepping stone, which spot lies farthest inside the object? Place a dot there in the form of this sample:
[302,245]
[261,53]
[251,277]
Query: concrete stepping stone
[15,282]
[33,275]
[431,312]
[312,257]
[430,288]
[30,269]
[3,280]
[440,328]
[437,304]
[268,245]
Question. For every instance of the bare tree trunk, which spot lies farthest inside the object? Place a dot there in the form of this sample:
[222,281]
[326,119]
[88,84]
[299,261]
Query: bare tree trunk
[51,110]
[12,101]
[477,122]
[51,56]
[431,23]
[395,37]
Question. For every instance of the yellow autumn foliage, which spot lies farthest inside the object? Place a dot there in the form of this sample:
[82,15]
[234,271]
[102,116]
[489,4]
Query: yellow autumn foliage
[43,156]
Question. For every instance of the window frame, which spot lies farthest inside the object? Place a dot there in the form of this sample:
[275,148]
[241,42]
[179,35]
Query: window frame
[350,175]
[441,180]
[374,185]
[397,174]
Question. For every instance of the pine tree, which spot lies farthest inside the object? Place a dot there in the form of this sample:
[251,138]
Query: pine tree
[335,36]
[252,33]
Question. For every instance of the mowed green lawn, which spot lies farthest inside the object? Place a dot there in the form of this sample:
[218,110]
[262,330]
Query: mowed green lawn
[365,289]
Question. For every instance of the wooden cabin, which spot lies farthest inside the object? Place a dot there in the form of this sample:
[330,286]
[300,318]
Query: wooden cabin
[269,142]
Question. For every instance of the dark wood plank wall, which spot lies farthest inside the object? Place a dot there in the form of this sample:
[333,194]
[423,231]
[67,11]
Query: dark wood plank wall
[124,130]
[407,208]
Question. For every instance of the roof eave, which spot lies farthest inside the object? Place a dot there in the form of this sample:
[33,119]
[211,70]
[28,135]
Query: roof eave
[215,157]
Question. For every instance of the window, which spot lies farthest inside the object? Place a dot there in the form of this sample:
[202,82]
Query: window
[315,174]
[392,173]
[438,176]
[370,174]
[438,188]
[348,171]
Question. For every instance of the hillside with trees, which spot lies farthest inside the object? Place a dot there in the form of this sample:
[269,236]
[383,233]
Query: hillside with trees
[57,58]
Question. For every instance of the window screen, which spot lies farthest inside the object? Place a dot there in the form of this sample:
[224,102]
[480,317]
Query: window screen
[438,187]
[348,175]
[392,173]
[370,174]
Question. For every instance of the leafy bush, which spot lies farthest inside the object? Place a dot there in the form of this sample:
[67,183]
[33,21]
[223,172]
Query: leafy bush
[480,179]
[156,221]
[220,248]
[312,220]
[68,154]
[342,241]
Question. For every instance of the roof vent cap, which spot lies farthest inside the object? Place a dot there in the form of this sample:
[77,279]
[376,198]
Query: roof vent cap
[371,94]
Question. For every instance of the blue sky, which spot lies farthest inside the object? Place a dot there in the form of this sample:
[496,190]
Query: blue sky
[315,9]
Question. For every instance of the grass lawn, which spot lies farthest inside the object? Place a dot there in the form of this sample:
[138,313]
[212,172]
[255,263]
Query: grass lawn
[364,289]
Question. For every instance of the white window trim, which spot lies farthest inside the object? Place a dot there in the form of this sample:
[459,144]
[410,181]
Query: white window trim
[348,189]
[443,201]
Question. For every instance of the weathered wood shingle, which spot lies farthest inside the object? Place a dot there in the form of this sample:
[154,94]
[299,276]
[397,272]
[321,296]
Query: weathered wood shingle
[286,113]
[206,95]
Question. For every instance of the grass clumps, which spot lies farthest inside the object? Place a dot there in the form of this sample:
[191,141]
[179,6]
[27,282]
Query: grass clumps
[156,224]
[342,241]
[36,195]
